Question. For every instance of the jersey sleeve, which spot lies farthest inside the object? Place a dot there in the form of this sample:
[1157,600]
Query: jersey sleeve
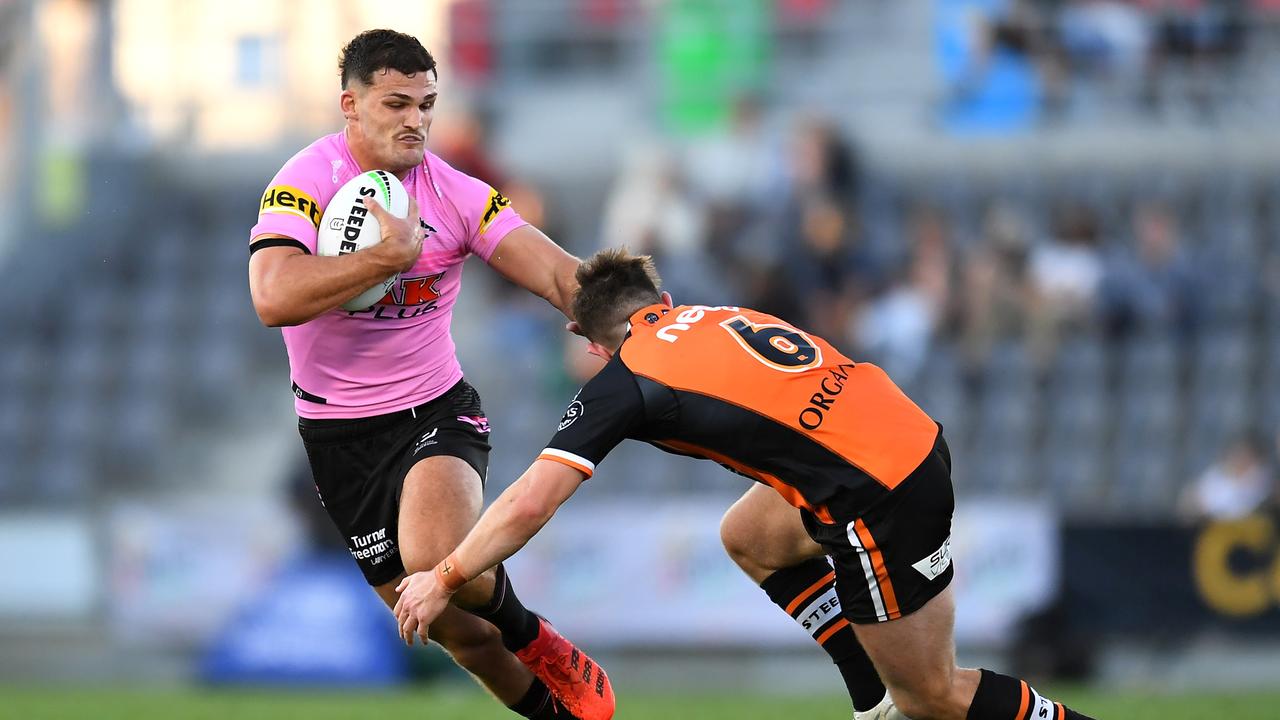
[486,215]
[291,204]
[602,414]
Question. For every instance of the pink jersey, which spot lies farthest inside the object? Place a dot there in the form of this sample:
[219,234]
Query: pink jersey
[398,353]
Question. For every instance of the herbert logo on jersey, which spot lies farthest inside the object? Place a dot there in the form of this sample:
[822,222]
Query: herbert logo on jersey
[494,207]
[290,201]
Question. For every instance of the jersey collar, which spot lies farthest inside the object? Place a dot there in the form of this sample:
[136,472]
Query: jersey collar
[648,315]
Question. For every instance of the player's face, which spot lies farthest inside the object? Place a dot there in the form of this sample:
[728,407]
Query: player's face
[388,121]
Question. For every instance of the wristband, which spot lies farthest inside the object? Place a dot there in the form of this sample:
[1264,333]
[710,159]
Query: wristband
[450,575]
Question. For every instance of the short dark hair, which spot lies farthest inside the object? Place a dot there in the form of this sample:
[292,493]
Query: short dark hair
[613,284]
[374,50]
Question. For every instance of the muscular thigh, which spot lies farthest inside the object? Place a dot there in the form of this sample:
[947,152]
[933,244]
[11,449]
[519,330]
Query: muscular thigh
[439,503]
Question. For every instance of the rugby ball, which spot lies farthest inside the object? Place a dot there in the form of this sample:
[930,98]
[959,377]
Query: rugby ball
[348,226]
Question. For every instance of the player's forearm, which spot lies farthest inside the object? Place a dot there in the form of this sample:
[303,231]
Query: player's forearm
[300,287]
[503,529]
[566,286]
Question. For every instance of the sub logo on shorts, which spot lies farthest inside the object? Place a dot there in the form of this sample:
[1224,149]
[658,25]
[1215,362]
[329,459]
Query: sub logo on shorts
[479,422]
[937,562]
[425,440]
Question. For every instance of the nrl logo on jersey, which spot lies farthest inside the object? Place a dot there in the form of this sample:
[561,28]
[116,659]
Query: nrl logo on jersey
[571,413]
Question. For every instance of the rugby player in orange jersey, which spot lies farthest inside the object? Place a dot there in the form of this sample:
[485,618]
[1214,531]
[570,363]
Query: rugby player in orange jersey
[867,469]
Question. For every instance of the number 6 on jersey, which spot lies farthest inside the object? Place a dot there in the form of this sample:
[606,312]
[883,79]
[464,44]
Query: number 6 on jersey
[779,346]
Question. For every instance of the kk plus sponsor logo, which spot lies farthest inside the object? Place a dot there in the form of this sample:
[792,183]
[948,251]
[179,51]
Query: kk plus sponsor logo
[288,200]
[409,297]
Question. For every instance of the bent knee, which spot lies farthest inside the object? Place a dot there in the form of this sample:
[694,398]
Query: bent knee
[736,537]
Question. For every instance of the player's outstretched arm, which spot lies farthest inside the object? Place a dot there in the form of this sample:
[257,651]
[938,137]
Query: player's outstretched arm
[515,517]
[289,287]
[533,261]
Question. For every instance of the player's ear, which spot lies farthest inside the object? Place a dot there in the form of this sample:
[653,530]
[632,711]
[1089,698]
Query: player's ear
[666,299]
[347,102]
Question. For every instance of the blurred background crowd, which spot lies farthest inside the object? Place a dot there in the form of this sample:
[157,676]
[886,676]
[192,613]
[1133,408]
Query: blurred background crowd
[1056,223]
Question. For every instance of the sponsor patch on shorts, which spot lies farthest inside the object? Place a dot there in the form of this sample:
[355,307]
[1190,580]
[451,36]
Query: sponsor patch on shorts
[937,562]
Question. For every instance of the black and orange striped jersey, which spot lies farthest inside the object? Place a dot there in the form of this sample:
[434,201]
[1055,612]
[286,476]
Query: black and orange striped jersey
[751,392]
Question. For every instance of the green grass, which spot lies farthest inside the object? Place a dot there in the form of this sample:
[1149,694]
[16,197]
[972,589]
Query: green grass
[58,704]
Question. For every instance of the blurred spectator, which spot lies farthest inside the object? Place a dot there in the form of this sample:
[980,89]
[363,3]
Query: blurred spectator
[823,161]
[828,264]
[899,325]
[995,288]
[1238,484]
[1202,38]
[817,254]
[1152,286]
[738,173]
[737,168]
[650,210]
[995,61]
[1066,274]
[1104,37]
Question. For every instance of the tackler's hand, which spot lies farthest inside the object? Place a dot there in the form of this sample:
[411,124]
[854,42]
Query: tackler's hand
[422,599]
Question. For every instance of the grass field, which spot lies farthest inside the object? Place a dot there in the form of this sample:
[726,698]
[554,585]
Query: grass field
[56,704]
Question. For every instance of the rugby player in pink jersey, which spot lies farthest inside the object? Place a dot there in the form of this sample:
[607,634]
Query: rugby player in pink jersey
[397,440]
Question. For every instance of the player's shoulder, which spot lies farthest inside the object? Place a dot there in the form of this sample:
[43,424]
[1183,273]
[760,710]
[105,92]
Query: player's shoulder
[321,159]
[450,181]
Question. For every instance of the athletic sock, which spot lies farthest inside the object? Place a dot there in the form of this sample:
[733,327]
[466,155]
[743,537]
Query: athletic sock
[537,704]
[807,592]
[518,625]
[1000,697]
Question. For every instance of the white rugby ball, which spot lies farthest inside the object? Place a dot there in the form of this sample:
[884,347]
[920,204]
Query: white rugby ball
[348,226]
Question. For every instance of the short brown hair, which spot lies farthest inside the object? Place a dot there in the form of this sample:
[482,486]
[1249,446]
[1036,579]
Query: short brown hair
[375,50]
[613,284]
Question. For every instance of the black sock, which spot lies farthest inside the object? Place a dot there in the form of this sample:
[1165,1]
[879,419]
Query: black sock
[537,704]
[807,592]
[518,625]
[1000,697]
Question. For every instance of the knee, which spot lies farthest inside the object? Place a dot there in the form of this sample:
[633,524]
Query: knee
[739,542]
[473,646]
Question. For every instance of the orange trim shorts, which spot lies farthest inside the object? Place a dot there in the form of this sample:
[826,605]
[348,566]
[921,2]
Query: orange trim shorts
[895,555]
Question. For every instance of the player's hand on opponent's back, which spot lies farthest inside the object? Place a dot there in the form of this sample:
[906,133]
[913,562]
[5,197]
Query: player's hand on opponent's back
[401,236]
[422,599]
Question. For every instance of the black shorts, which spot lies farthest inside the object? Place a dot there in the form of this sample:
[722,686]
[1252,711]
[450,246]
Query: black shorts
[359,466]
[894,556]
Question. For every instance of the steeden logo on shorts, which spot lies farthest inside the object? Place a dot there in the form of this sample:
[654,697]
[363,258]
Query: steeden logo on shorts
[290,200]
